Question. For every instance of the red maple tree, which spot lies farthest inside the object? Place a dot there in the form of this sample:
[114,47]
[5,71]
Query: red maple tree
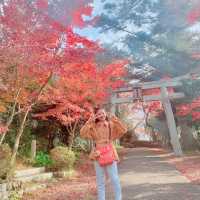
[191,109]
[46,62]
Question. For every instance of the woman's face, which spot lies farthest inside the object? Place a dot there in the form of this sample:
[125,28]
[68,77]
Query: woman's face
[101,115]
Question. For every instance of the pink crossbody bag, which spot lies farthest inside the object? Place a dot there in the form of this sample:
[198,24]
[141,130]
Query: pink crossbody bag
[107,155]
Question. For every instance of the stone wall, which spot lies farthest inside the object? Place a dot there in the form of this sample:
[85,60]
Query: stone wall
[6,189]
[3,191]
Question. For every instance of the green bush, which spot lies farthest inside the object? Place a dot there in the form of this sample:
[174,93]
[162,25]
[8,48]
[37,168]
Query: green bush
[5,156]
[77,154]
[14,195]
[63,158]
[42,159]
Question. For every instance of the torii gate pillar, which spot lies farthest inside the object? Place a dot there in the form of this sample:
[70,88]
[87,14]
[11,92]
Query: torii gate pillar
[171,122]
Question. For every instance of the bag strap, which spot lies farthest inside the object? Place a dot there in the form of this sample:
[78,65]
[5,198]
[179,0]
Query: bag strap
[109,130]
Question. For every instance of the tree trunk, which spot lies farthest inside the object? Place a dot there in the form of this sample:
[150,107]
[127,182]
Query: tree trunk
[22,125]
[50,141]
[18,137]
[71,139]
[11,117]
[8,124]
[71,131]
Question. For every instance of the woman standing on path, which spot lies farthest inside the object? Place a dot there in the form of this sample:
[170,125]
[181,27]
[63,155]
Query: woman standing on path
[102,129]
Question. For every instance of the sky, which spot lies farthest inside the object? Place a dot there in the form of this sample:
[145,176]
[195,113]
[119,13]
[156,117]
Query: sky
[92,32]
[109,37]
[117,38]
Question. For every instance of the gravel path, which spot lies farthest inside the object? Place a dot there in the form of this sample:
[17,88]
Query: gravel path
[145,175]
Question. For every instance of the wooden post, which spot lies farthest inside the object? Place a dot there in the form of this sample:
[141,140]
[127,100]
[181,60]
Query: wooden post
[171,122]
[33,149]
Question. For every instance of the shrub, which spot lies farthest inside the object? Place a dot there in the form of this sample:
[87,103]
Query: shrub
[42,159]
[5,156]
[14,195]
[77,154]
[63,158]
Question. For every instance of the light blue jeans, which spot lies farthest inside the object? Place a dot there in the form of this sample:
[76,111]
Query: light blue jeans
[112,172]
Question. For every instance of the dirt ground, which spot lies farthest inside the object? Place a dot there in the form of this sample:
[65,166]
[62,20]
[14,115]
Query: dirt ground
[145,173]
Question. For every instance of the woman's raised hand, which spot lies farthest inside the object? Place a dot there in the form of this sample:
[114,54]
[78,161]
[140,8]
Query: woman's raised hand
[92,118]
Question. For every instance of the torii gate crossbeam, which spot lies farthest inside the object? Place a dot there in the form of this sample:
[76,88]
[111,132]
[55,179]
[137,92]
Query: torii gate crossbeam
[164,98]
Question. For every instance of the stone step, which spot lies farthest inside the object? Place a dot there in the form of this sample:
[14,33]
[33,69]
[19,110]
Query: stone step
[29,172]
[35,177]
